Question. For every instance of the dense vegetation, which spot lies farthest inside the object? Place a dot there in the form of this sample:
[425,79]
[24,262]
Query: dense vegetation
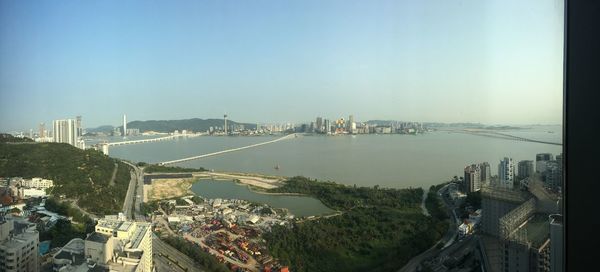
[434,204]
[65,230]
[342,197]
[196,253]
[472,201]
[194,124]
[82,175]
[154,168]
[7,138]
[378,230]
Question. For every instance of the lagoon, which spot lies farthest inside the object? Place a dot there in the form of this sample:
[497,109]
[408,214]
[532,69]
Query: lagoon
[296,205]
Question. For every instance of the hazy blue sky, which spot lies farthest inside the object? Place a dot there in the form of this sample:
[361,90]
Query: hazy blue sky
[274,61]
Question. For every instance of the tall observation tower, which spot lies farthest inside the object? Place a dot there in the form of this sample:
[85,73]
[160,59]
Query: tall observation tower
[225,125]
[124,125]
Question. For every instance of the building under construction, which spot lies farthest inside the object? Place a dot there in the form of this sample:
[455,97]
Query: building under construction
[516,227]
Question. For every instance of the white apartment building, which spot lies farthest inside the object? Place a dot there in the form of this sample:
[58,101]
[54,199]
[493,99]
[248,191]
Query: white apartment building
[19,242]
[31,192]
[506,172]
[38,183]
[67,131]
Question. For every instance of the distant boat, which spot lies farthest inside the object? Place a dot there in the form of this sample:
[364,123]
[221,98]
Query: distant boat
[277,167]
[550,131]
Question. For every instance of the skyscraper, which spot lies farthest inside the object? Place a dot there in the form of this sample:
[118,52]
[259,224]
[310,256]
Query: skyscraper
[319,122]
[79,127]
[327,126]
[225,123]
[525,169]
[472,178]
[556,243]
[506,172]
[486,172]
[42,130]
[65,131]
[540,161]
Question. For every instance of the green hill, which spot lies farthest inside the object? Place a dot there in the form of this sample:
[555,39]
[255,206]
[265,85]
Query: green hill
[194,124]
[82,175]
[7,138]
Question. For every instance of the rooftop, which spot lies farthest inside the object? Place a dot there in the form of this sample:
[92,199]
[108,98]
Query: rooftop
[108,223]
[125,226]
[64,255]
[97,237]
[139,234]
[538,229]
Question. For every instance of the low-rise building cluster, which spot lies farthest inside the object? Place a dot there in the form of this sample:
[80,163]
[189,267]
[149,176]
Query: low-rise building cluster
[229,229]
[15,189]
[116,245]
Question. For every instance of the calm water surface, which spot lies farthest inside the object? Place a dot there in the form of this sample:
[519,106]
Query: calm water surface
[297,205]
[396,161]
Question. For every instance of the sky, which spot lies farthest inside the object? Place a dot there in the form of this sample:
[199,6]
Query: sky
[493,62]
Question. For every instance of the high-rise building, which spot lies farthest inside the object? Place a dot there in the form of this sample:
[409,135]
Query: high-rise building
[540,161]
[79,126]
[65,131]
[506,172]
[42,130]
[19,242]
[486,172]
[319,125]
[525,169]
[472,178]
[327,124]
[225,123]
[552,175]
[556,243]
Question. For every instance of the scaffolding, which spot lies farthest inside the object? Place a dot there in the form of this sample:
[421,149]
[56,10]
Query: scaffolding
[511,223]
[503,194]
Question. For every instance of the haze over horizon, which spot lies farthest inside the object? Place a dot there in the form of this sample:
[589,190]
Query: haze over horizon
[492,62]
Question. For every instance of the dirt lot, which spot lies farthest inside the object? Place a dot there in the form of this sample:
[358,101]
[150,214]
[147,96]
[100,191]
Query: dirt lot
[168,188]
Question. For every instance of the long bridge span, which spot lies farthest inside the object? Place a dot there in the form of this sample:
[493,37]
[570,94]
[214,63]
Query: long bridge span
[498,135]
[226,151]
[151,139]
[105,145]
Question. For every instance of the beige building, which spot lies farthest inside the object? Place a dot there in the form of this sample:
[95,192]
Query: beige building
[116,245]
[19,242]
[38,183]
[120,245]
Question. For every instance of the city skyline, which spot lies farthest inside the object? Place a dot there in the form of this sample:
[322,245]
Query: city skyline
[281,62]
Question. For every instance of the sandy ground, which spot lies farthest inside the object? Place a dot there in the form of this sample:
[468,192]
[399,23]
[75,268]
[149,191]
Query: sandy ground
[168,188]
[257,181]
[147,189]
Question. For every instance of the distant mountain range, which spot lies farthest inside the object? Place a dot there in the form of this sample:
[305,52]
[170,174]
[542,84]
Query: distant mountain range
[194,124]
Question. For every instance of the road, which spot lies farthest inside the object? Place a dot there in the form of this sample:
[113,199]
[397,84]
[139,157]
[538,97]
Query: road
[114,175]
[74,204]
[135,193]
[162,263]
[173,255]
[447,240]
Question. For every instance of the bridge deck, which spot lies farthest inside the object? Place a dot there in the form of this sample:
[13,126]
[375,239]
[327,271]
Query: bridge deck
[225,151]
